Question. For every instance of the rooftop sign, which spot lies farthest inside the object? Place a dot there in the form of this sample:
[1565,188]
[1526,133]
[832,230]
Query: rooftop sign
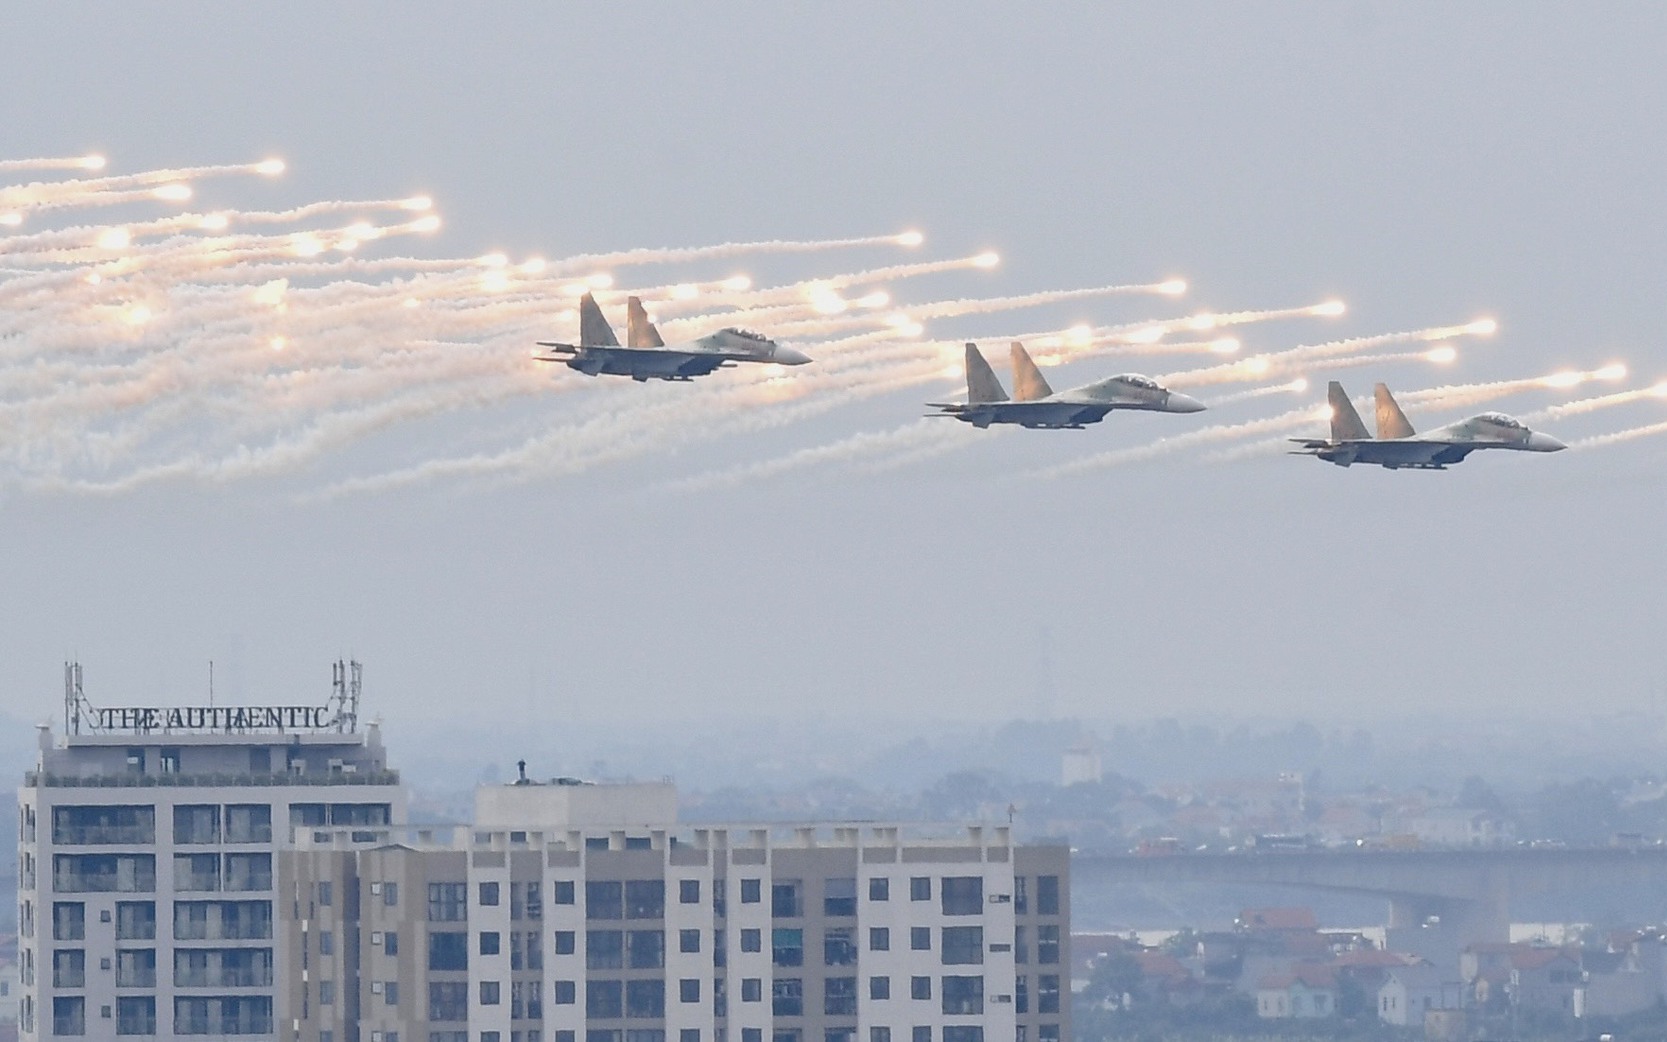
[213,718]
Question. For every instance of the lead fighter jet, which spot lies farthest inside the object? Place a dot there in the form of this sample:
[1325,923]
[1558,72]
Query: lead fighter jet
[1036,405]
[1397,446]
[646,356]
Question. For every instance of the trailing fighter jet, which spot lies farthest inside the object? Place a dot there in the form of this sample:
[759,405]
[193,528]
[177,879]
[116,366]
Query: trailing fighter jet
[1397,446]
[646,356]
[1037,405]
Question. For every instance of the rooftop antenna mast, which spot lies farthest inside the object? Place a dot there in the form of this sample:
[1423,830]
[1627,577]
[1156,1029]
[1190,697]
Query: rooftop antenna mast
[75,701]
[346,681]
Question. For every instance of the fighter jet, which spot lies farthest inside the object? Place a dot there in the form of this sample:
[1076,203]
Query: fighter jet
[1037,405]
[1397,446]
[646,356]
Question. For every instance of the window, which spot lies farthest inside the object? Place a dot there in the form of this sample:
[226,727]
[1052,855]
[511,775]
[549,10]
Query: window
[879,987]
[248,871]
[879,939]
[248,823]
[962,895]
[69,921]
[1047,944]
[69,968]
[752,940]
[1047,1033]
[390,943]
[136,1015]
[645,949]
[839,897]
[752,1035]
[878,1034]
[688,941]
[604,949]
[645,899]
[326,942]
[879,889]
[839,997]
[963,995]
[489,894]
[1047,994]
[921,1034]
[604,999]
[688,990]
[448,950]
[1047,895]
[920,938]
[1021,995]
[752,989]
[963,945]
[750,891]
[920,987]
[136,968]
[390,992]
[490,992]
[526,950]
[688,891]
[196,824]
[447,902]
[1021,898]
[564,942]
[787,947]
[688,1035]
[326,894]
[787,997]
[563,892]
[920,888]
[197,872]
[490,942]
[564,992]
[1021,946]
[963,1033]
[390,894]
[785,899]
[526,901]
[604,900]
[69,1015]
[78,826]
[839,946]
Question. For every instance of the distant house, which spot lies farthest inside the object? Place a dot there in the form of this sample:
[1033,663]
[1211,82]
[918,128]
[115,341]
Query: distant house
[1526,976]
[1409,993]
[1307,992]
[1460,827]
[1624,980]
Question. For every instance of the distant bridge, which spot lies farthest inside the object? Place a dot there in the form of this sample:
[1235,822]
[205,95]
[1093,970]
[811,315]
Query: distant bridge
[1439,900]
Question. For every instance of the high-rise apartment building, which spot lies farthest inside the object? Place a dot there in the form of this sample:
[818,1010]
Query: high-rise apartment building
[249,872]
[584,913]
[148,840]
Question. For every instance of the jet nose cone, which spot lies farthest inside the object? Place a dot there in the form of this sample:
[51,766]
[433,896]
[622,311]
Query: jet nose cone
[1179,402]
[1544,443]
[788,356]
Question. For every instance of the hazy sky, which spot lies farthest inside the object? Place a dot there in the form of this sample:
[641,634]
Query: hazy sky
[1428,163]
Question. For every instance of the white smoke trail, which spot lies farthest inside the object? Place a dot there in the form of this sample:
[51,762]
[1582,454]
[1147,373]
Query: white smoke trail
[1616,437]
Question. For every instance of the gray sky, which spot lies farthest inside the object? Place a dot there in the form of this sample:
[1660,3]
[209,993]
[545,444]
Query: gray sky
[1426,162]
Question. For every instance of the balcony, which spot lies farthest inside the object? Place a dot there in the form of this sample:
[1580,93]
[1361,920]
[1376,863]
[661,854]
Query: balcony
[92,835]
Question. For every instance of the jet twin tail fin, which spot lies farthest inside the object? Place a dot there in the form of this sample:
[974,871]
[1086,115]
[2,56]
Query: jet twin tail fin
[1028,384]
[1345,422]
[594,330]
[640,332]
[1392,422]
[982,385]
